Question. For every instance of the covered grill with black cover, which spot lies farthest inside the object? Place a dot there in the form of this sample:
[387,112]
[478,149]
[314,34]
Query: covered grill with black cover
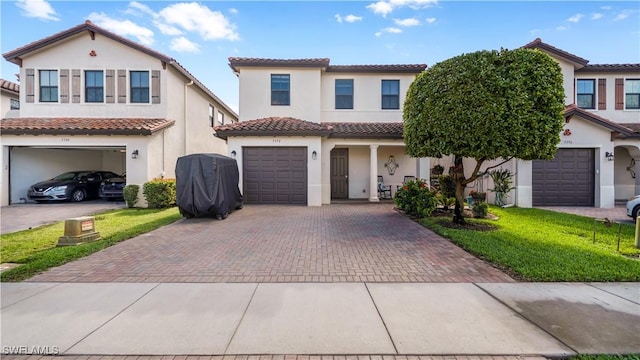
[207,185]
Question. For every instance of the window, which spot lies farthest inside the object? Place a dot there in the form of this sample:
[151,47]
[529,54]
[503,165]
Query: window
[632,94]
[93,86]
[15,104]
[139,86]
[48,85]
[344,93]
[280,89]
[586,93]
[220,118]
[391,94]
[211,111]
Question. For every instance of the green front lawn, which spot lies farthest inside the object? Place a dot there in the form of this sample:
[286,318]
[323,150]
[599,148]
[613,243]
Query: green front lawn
[540,245]
[36,249]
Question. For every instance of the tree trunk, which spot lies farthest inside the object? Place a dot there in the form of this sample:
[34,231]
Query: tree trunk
[458,176]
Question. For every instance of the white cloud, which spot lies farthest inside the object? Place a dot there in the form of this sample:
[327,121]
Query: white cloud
[39,9]
[182,44]
[623,15]
[431,20]
[605,7]
[136,7]
[407,22]
[233,11]
[384,7]
[389,30]
[575,18]
[562,28]
[596,16]
[167,29]
[210,25]
[123,28]
[352,18]
[338,18]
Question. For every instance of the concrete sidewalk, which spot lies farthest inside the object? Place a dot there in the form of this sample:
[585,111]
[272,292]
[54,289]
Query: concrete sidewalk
[516,319]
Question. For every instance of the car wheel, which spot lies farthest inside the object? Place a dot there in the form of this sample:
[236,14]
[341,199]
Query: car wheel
[635,212]
[78,195]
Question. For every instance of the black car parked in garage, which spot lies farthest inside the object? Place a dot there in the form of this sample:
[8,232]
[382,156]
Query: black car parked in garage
[113,188]
[73,186]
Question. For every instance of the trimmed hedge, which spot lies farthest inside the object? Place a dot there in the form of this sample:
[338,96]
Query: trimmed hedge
[130,194]
[160,193]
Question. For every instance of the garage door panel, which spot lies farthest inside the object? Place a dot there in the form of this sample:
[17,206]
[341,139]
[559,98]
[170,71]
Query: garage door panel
[275,175]
[566,180]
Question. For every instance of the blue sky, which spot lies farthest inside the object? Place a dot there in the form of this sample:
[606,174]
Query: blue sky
[202,35]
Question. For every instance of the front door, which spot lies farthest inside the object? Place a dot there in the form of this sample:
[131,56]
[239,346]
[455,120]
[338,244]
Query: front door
[339,173]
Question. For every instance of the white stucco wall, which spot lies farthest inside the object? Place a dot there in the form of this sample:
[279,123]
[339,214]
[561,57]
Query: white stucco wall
[5,102]
[313,143]
[625,184]
[255,94]
[610,113]
[367,98]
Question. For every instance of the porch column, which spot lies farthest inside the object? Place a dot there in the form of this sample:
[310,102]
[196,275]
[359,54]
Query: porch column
[373,174]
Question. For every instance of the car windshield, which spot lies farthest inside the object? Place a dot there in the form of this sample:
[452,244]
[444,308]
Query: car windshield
[74,175]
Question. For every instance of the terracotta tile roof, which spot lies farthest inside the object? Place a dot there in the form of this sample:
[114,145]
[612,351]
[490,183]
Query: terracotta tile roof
[365,130]
[610,68]
[635,127]
[234,62]
[538,44]
[622,130]
[398,68]
[286,126]
[14,56]
[82,126]
[272,126]
[9,86]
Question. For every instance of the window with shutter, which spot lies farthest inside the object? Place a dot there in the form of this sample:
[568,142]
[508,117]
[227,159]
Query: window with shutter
[122,86]
[75,86]
[110,91]
[30,85]
[155,87]
[48,85]
[632,94]
[64,86]
[619,94]
[602,94]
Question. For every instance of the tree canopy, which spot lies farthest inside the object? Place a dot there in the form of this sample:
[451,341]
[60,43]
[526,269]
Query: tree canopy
[486,105]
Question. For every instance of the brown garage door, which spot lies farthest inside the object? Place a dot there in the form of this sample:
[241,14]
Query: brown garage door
[275,175]
[567,180]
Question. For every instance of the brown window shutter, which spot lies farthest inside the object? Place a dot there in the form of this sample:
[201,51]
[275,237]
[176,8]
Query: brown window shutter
[602,94]
[619,94]
[30,85]
[64,86]
[110,92]
[155,86]
[122,86]
[75,86]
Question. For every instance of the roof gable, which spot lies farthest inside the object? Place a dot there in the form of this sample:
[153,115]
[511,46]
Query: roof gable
[538,44]
[622,130]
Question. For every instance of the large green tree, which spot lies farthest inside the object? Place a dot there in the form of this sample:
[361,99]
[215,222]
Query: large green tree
[485,105]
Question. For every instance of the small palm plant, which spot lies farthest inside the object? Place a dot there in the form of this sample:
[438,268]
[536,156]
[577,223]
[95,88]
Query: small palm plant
[502,185]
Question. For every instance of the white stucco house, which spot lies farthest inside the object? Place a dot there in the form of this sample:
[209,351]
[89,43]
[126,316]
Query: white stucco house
[311,132]
[9,98]
[93,100]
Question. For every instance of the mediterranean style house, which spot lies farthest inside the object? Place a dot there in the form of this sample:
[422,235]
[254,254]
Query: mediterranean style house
[9,97]
[311,132]
[93,100]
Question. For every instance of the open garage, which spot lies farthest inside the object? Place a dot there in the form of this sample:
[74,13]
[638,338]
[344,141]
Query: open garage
[28,165]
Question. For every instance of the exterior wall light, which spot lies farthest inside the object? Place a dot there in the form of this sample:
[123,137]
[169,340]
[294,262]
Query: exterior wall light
[314,155]
[233,154]
[609,156]
[134,154]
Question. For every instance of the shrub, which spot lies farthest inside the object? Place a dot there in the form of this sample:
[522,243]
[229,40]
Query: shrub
[415,198]
[160,193]
[130,194]
[480,209]
[447,186]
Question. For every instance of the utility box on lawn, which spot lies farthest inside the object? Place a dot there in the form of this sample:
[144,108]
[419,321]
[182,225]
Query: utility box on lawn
[78,231]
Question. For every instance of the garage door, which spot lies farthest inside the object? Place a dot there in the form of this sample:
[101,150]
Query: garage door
[275,175]
[567,180]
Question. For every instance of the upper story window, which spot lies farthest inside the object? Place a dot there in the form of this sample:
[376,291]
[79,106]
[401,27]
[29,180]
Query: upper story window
[211,112]
[48,85]
[586,93]
[220,118]
[15,104]
[344,93]
[93,86]
[280,89]
[632,94]
[139,81]
[391,94]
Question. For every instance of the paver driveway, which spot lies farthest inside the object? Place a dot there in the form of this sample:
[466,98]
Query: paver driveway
[332,243]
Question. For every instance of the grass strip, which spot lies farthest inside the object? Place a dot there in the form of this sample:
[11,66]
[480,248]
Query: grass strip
[36,249]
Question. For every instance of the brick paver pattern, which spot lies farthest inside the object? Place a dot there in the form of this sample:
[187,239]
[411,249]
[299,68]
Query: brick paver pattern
[331,243]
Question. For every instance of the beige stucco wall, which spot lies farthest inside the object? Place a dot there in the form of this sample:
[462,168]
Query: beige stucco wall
[255,94]
[313,166]
[367,98]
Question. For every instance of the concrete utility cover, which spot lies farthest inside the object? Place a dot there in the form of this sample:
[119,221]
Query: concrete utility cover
[584,317]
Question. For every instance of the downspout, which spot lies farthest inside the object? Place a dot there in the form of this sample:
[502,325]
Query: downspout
[185,116]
